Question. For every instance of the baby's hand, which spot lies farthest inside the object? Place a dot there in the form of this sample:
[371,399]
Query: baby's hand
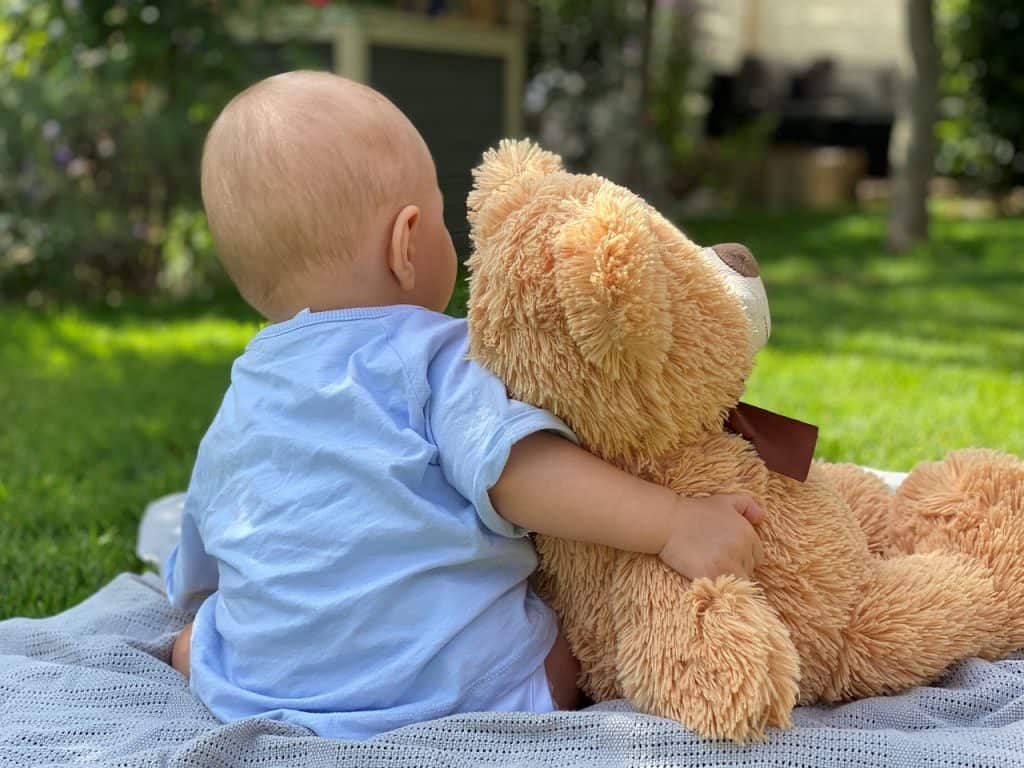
[714,536]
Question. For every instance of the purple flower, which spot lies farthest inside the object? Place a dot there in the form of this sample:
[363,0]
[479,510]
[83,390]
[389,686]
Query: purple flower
[62,155]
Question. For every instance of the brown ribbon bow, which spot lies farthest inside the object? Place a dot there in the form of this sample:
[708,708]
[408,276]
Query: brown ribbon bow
[785,445]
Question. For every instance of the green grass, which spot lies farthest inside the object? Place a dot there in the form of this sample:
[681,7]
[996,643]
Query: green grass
[898,359]
[100,412]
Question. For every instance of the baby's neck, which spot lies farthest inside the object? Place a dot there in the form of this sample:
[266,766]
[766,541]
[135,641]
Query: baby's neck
[330,289]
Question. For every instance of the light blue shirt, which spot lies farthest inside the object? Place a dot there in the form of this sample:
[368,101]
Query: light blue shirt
[339,514]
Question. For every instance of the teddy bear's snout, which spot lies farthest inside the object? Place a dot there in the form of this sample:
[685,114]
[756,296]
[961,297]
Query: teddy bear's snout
[737,257]
[738,269]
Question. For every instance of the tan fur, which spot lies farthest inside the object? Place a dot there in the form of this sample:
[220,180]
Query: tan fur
[870,500]
[589,303]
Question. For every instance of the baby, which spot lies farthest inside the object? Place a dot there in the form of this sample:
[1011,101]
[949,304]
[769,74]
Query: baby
[354,536]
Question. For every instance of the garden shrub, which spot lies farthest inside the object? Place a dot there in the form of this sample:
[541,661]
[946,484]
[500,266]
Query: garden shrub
[103,110]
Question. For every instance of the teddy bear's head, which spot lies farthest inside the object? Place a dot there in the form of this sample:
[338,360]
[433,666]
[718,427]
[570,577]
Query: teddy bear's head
[588,303]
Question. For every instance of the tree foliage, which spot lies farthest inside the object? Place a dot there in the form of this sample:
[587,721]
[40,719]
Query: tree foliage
[103,109]
[609,86]
[104,106]
[982,128]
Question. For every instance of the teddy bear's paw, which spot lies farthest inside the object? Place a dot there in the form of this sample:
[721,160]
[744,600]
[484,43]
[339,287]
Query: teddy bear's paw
[970,503]
[720,661]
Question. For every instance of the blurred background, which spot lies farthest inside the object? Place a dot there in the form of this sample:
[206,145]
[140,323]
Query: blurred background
[871,154]
[701,106]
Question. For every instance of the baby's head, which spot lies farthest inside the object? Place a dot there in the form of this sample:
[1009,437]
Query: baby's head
[320,193]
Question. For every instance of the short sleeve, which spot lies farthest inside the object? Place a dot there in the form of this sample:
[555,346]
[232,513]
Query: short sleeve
[474,425]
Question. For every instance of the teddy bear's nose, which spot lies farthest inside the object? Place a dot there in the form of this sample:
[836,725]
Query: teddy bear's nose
[738,257]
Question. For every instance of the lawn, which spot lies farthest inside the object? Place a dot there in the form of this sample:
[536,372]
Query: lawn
[898,359]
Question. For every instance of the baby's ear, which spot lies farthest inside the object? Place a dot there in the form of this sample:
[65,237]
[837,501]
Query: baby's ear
[511,161]
[613,283]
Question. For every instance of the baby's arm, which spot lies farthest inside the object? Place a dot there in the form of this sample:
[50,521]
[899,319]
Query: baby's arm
[555,488]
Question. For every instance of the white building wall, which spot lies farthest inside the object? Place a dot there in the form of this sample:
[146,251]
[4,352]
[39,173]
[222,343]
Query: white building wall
[865,32]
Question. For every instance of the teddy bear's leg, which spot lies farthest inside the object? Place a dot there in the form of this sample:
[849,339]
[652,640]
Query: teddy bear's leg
[918,615]
[971,502]
[870,499]
[713,655]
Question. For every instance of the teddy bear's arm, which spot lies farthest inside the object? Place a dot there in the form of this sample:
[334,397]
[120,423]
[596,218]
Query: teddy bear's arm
[713,655]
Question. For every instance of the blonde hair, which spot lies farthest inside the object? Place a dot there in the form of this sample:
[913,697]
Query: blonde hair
[296,169]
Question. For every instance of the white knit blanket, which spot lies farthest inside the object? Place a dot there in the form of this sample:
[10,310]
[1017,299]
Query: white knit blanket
[91,686]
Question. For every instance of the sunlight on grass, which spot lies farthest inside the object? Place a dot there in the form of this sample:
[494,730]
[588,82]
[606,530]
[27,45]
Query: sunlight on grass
[54,343]
[888,413]
[101,414]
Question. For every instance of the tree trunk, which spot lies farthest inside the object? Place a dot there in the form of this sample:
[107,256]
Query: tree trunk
[638,128]
[912,148]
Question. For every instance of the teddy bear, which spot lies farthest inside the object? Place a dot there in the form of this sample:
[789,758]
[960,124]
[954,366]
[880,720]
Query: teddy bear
[587,302]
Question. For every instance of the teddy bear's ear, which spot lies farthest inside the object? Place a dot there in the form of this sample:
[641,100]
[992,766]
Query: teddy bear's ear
[613,283]
[510,161]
